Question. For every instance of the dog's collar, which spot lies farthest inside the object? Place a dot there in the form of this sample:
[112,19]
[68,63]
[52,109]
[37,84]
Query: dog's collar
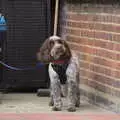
[60,61]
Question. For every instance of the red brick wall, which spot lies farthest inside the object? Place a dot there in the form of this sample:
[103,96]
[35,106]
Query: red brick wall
[93,31]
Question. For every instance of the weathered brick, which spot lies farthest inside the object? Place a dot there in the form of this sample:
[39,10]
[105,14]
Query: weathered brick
[93,42]
[95,51]
[116,74]
[94,17]
[84,65]
[118,57]
[80,40]
[93,26]
[101,61]
[117,47]
[105,89]
[101,78]
[94,32]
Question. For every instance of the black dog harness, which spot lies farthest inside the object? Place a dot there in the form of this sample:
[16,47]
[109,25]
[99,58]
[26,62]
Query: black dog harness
[60,69]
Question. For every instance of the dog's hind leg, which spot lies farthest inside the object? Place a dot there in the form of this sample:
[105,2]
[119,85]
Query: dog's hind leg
[78,97]
[51,103]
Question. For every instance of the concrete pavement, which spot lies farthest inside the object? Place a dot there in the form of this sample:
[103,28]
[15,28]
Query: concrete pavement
[30,103]
[21,106]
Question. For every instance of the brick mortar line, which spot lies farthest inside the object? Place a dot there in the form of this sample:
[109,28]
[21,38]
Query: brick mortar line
[83,5]
[111,87]
[92,55]
[100,74]
[104,66]
[98,65]
[97,56]
[88,13]
[99,104]
[103,40]
[98,48]
[99,5]
[99,93]
[75,28]
[95,72]
[99,83]
[92,22]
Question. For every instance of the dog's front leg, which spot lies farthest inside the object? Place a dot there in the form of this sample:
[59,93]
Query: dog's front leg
[55,89]
[71,96]
[72,87]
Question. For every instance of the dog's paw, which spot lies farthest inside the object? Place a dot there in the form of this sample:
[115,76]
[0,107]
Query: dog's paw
[71,109]
[56,108]
[77,104]
[51,103]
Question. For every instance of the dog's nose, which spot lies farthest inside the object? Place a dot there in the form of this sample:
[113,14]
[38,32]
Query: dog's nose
[59,48]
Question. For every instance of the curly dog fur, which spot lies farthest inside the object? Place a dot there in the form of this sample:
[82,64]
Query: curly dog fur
[63,72]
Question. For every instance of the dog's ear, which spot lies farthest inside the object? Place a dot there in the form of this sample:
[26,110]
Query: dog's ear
[68,52]
[43,54]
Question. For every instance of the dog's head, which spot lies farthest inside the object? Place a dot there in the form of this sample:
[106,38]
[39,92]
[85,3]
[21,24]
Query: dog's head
[53,49]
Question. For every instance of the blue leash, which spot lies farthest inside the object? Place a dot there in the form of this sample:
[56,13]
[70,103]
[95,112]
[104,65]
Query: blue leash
[38,65]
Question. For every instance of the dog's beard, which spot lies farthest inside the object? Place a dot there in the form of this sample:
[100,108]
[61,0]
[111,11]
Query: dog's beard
[57,55]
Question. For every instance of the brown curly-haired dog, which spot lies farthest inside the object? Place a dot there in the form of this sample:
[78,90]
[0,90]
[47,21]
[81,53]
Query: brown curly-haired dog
[63,72]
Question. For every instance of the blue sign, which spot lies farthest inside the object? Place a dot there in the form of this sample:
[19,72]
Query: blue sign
[3,25]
